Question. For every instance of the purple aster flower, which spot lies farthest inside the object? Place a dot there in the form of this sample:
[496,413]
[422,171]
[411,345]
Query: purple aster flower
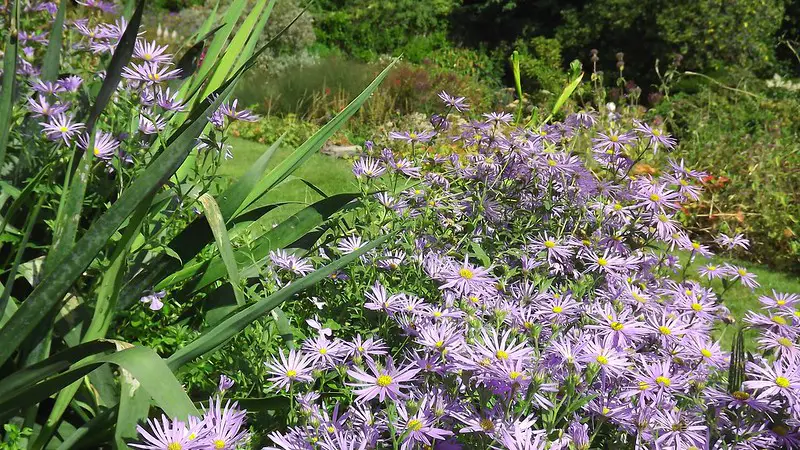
[149,73]
[657,138]
[783,346]
[71,83]
[151,52]
[747,279]
[163,435]
[457,103]
[225,383]
[42,108]
[290,263]
[782,379]
[106,7]
[612,362]
[619,328]
[350,244]
[607,263]
[365,347]
[225,426]
[169,101]
[730,243]
[391,260]
[442,337]
[229,110]
[380,300]
[713,271]
[656,197]
[381,383]
[500,348]
[62,127]
[418,428]
[368,167]
[47,87]
[413,136]
[104,144]
[521,437]
[780,301]
[154,300]
[499,117]
[558,252]
[468,279]
[296,368]
[406,167]
[612,143]
[680,429]
[323,352]
[152,124]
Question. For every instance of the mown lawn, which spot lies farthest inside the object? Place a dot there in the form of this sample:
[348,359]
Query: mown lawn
[333,176]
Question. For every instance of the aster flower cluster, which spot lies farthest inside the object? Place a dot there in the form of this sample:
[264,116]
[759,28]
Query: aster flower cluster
[534,299]
[220,427]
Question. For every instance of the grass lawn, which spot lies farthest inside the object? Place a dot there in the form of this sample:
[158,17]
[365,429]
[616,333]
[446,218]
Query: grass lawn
[333,176]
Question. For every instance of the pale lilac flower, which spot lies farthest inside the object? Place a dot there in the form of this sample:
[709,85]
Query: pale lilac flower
[781,379]
[732,242]
[150,73]
[163,435]
[458,103]
[62,127]
[104,144]
[350,244]
[151,52]
[42,108]
[47,87]
[381,383]
[413,136]
[296,368]
[225,426]
[169,101]
[368,167]
[747,279]
[154,300]
[657,137]
[418,429]
[468,279]
[225,383]
[229,110]
[71,83]
[151,124]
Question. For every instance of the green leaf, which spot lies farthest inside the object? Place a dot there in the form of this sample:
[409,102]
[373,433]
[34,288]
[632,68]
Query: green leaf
[282,235]
[47,294]
[234,196]
[143,364]
[566,93]
[217,224]
[221,333]
[9,71]
[52,57]
[313,144]
[23,197]
[235,49]
[283,326]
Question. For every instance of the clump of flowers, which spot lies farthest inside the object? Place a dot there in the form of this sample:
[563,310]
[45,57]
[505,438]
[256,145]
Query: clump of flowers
[534,299]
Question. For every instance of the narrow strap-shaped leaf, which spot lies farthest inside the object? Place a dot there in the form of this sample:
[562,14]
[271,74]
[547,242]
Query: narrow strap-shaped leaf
[144,365]
[23,244]
[188,62]
[9,73]
[52,57]
[120,59]
[134,404]
[282,235]
[217,224]
[23,197]
[236,47]
[313,144]
[220,334]
[234,196]
[252,42]
[47,294]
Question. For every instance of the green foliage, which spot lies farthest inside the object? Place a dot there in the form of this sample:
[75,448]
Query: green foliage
[540,65]
[368,28]
[14,437]
[749,145]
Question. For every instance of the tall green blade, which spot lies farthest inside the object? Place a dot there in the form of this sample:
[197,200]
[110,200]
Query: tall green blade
[52,57]
[49,292]
[220,334]
[217,224]
[9,71]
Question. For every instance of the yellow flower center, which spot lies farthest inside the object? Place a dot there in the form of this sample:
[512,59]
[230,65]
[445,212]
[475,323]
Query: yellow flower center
[96,151]
[384,380]
[712,267]
[154,77]
[291,373]
[549,244]
[741,272]
[739,395]
[174,446]
[437,314]
[501,354]
[63,129]
[148,56]
[664,381]
[360,349]
[602,261]
[330,429]
[782,382]
[664,330]
[784,342]
[683,182]
[219,444]
[193,436]
[439,344]
[487,425]
[413,135]
[617,207]
[414,425]
[514,375]
[643,385]
[696,245]
[779,320]
[601,359]
[466,273]
[656,132]
[638,297]
[558,309]
[780,302]
[606,410]
[655,197]
[551,163]
[697,307]
[616,326]
[323,351]
[614,138]
[705,352]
